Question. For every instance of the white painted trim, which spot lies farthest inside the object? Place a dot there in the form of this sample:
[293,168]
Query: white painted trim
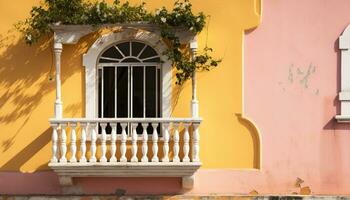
[344,94]
[90,60]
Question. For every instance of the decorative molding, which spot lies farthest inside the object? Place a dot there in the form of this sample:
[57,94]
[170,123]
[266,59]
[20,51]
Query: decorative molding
[344,94]
[66,171]
[71,34]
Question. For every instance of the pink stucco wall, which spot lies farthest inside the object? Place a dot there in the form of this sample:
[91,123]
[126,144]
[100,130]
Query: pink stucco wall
[291,81]
[293,110]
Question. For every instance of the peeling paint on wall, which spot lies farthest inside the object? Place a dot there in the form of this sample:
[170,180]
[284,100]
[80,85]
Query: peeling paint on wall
[301,76]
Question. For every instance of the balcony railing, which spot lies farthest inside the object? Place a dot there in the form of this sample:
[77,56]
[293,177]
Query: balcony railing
[125,147]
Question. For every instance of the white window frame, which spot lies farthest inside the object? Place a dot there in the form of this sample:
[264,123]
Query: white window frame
[90,62]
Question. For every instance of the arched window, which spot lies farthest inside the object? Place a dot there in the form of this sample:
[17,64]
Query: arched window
[129,81]
[127,75]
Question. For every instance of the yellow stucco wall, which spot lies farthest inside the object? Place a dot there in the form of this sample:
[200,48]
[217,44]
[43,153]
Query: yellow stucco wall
[27,95]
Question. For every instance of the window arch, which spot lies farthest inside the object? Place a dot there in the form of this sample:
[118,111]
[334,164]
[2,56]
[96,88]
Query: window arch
[101,53]
[128,52]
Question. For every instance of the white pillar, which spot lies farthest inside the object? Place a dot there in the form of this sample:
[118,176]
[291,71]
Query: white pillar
[83,142]
[144,143]
[113,142]
[194,102]
[186,145]
[166,142]
[73,143]
[123,143]
[134,143]
[103,140]
[54,158]
[57,48]
[176,142]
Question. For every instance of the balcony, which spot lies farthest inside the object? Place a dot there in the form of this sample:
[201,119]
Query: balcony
[122,147]
[102,146]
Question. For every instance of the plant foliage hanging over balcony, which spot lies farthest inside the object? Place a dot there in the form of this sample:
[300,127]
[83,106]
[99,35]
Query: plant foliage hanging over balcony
[80,12]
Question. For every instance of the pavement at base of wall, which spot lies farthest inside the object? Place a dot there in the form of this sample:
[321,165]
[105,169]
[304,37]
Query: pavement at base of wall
[175,197]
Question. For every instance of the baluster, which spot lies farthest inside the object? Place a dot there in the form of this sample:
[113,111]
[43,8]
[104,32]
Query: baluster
[83,143]
[176,143]
[93,142]
[113,142]
[103,142]
[54,158]
[73,143]
[186,147]
[166,142]
[195,143]
[144,143]
[63,143]
[155,143]
[123,143]
[134,143]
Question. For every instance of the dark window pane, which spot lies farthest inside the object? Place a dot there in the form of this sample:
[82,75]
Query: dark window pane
[151,91]
[99,92]
[108,92]
[137,92]
[136,48]
[112,52]
[125,48]
[159,94]
[130,60]
[122,92]
[148,52]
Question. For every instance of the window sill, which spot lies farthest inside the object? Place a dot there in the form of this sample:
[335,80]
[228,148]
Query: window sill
[343,118]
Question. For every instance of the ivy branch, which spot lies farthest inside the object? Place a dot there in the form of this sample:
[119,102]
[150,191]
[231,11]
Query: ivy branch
[80,12]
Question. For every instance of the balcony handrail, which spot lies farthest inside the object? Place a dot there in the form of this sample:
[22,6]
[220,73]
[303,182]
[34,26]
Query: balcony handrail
[125,120]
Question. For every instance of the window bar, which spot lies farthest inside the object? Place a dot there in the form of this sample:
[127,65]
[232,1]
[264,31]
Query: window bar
[115,91]
[128,125]
[108,58]
[148,58]
[102,93]
[131,92]
[156,71]
[144,91]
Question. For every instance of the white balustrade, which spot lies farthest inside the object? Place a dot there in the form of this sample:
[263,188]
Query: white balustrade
[155,143]
[176,143]
[186,146]
[166,142]
[73,143]
[103,142]
[93,142]
[123,143]
[63,143]
[195,143]
[134,143]
[130,136]
[83,143]
[54,158]
[113,142]
[144,143]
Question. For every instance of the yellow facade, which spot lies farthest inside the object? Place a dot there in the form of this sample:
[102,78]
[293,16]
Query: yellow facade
[27,94]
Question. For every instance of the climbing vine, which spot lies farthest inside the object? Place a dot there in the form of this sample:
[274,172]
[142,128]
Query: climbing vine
[80,12]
